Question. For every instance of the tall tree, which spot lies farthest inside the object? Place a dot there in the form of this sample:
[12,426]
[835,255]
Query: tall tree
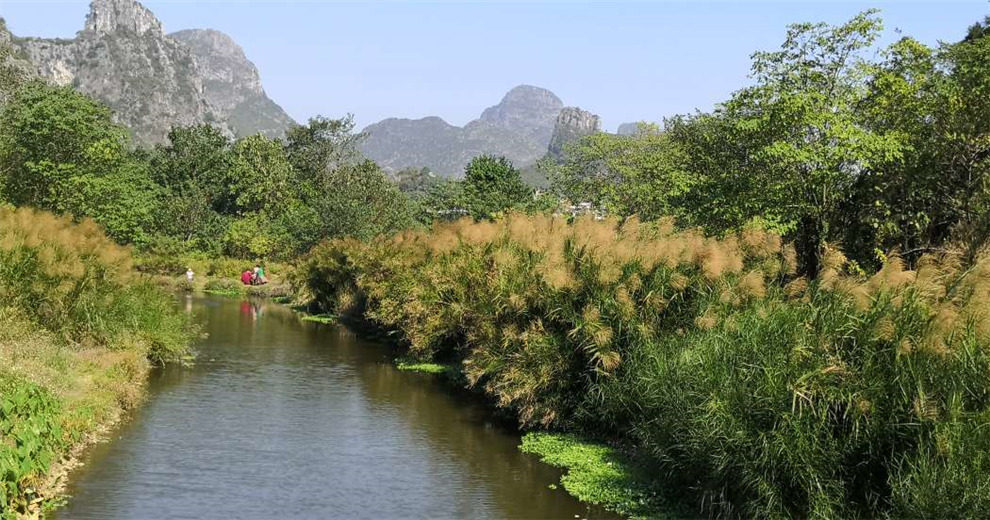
[641,174]
[261,175]
[322,146]
[493,185]
[814,147]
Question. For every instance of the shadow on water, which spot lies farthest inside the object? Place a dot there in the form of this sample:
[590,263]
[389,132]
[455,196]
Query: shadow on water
[282,418]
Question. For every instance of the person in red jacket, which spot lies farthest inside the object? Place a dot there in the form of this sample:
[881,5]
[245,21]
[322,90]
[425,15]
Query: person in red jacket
[246,277]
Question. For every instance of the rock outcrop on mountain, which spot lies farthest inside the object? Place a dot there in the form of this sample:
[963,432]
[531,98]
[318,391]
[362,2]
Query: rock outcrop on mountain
[519,128]
[572,124]
[153,81]
[14,68]
[232,84]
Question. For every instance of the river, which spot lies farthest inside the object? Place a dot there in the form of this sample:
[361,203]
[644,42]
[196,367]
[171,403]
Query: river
[280,418]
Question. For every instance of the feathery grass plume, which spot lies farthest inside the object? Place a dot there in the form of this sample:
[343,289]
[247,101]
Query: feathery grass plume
[751,285]
[790,398]
[760,243]
[679,282]
[624,303]
[706,321]
[790,259]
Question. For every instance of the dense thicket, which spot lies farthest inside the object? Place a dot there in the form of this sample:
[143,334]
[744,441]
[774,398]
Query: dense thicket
[201,191]
[752,390]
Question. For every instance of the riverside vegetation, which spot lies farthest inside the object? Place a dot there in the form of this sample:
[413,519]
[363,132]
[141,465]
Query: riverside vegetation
[759,391]
[783,314]
[79,330]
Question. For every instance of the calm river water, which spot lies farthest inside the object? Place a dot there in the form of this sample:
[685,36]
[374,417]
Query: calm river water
[284,419]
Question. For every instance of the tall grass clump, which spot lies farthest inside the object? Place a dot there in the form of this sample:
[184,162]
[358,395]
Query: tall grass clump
[78,332]
[536,309]
[70,279]
[749,390]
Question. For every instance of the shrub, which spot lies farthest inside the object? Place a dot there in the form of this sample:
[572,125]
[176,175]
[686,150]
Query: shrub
[33,439]
[224,286]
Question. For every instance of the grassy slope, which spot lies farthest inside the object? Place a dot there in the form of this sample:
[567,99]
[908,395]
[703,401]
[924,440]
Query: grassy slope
[54,399]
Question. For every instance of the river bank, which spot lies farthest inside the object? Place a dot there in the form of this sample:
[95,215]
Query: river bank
[56,401]
[79,331]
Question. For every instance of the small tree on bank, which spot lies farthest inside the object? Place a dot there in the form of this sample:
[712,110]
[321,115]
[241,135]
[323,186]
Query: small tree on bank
[492,185]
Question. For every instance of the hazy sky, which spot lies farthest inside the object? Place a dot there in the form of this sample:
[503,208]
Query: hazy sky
[625,61]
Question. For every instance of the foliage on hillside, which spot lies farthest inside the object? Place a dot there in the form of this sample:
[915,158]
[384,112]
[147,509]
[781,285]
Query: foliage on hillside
[254,197]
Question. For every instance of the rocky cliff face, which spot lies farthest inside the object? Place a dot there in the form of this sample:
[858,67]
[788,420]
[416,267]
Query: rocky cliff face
[572,124]
[232,85]
[14,68]
[153,81]
[519,127]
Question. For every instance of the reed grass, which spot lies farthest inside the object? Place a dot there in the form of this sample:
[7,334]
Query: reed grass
[755,392]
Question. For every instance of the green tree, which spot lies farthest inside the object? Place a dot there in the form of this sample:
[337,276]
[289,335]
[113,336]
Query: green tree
[900,203]
[964,133]
[416,181]
[359,201]
[804,108]
[978,30]
[323,146]
[125,201]
[641,174]
[50,136]
[261,175]
[197,161]
[493,185]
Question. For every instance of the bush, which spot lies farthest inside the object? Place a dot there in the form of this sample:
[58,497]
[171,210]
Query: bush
[72,280]
[29,419]
[761,393]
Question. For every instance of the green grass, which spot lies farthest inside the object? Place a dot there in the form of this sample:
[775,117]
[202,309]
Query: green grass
[596,473]
[428,368]
[320,318]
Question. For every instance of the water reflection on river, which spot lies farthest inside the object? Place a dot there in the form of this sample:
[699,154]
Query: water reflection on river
[284,419]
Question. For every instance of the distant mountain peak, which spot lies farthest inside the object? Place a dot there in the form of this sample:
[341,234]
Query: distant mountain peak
[525,95]
[519,127]
[112,16]
[153,81]
[525,108]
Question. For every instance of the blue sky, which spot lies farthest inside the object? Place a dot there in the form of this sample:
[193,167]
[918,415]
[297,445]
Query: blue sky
[625,61]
